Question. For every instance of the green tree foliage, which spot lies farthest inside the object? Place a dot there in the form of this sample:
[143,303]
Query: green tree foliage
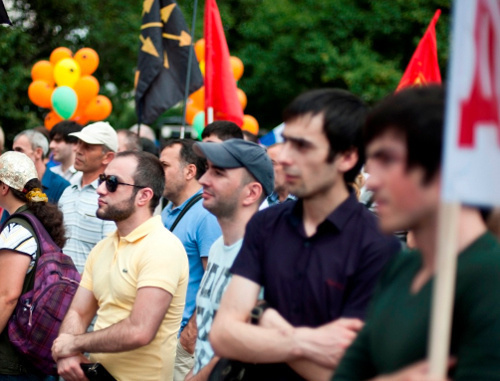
[290,46]
[287,46]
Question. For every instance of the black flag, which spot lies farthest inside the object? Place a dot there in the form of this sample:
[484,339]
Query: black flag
[163,60]
[4,18]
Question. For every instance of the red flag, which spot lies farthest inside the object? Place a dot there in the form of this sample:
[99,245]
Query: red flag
[423,67]
[220,85]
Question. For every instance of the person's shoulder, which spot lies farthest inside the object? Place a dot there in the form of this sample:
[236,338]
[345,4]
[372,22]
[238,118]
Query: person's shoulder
[481,260]
[401,262]
[54,178]
[275,212]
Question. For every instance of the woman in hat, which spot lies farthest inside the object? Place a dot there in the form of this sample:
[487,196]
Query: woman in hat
[20,191]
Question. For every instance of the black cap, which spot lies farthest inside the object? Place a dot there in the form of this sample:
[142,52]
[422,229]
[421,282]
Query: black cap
[238,153]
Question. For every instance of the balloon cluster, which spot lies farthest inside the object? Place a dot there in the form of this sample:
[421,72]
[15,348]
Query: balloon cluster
[195,107]
[76,96]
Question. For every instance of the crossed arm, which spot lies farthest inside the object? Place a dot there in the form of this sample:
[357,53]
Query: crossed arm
[138,329]
[312,352]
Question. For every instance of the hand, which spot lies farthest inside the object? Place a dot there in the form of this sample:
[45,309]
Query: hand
[326,345]
[69,368]
[188,337]
[64,346]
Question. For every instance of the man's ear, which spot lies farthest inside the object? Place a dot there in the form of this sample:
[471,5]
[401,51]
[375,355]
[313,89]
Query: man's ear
[38,153]
[4,189]
[190,171]
[253,193]
[144,196]
[108,157]
[348,159]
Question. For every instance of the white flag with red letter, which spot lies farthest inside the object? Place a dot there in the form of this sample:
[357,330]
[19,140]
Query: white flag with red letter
[472,133]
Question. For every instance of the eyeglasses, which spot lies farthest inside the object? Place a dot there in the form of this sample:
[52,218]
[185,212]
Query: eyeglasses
[112,182]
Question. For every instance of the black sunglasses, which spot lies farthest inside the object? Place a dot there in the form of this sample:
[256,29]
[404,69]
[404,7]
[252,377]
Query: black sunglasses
[112,182]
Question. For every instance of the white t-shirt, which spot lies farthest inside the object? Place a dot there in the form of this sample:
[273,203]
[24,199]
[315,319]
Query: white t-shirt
[212,287]
[17,238]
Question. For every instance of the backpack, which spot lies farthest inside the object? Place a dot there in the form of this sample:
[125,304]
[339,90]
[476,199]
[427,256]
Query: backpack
[35,323]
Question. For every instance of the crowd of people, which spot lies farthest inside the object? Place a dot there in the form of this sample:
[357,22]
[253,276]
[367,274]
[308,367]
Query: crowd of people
[227,260]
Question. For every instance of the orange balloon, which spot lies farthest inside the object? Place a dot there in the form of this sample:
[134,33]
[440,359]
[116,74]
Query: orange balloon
[80,117]
[191,111]
[51,119]
[44,71]
[198,97]
[86,88]
[40,93]
[59,54]
[199,49]
[98,108]
[242,97]
[237,67]
[250,124]
[88,59]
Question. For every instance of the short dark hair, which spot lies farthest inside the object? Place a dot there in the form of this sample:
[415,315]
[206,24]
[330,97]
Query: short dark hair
[149,173]
[147,145]
[343,119]
[188,156]
[132,142]
[223,129]
[417,114]
[63,129]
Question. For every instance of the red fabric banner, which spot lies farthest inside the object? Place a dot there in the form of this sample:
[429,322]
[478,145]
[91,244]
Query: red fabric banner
[423,67]
[220,85]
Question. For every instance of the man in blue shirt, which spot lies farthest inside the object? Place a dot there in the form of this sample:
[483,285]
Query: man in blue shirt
[196,228]
[318,258]
[36,147]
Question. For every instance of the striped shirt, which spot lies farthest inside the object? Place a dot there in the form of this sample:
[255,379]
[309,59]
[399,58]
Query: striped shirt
[17,238]
[83,228]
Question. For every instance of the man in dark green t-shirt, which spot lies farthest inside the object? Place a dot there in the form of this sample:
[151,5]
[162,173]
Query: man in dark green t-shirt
[404,140]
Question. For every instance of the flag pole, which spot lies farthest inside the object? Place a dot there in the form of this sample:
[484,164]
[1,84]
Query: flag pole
[443,290]
[188,76]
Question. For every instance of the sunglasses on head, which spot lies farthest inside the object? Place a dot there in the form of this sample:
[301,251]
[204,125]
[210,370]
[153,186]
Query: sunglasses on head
[112,182]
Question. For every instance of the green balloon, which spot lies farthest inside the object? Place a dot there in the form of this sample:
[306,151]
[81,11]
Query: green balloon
[199,123]
[64,101]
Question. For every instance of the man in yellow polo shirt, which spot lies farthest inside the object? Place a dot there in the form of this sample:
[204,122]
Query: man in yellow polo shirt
[135,280]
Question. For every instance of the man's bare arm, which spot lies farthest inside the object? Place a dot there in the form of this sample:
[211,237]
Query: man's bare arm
[233,337]
[139,329]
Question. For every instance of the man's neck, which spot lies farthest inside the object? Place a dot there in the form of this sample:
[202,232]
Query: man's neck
[470,227]
[282,194]
[40,169]
[189,190]
[127,226]
[66,164]
[316,209]
[90,177]
[233,228]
